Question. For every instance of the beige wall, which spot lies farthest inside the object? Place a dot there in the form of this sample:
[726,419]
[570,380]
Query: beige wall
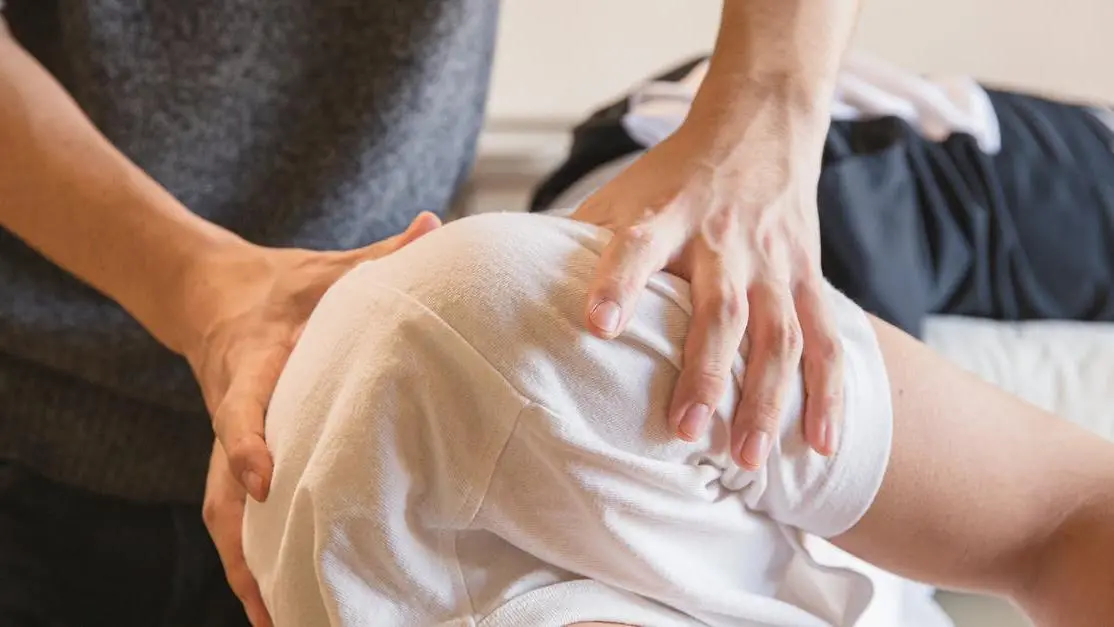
[559,58]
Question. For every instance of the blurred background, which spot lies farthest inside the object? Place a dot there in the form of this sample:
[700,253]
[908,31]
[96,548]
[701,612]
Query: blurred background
[557,60]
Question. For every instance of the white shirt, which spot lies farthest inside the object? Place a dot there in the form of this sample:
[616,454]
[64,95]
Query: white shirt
[866,88]
[453,448]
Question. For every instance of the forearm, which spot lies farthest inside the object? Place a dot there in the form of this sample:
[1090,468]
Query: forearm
[989,493]
[68,193]
[784,54]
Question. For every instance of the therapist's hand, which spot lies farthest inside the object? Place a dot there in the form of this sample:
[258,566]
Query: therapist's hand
[251,312]
[735,214]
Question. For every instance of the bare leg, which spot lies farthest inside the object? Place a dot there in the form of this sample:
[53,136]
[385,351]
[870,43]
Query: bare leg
[986,492]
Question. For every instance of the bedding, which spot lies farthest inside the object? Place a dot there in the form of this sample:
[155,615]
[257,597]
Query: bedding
[1063,366]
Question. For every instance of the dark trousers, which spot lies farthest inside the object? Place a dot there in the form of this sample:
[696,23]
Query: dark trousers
[69,557]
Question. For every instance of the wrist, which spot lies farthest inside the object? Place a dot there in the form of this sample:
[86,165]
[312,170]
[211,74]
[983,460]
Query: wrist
[730,125]
[201,277]
[784,53]
[730,104]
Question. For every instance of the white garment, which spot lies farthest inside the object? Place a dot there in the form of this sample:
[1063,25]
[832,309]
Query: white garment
[1106,116]
[898,602]
[865,88]
[452,448]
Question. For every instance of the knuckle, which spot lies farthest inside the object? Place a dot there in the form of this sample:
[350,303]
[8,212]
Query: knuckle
[638,238]
[726,308]
[210,514]
[229,413]
[784,338]
[832,402]
[708,384]
[808,271]
[770,241]
[720,225]
[241,454]
[826,350]
[825,402]
[616,287]
[627,286]
[767,415]
[734,308]
[767,295]
[238,450]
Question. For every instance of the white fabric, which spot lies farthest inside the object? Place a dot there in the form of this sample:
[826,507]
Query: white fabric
[1064,367]
[865,88]
[453,448]
[1106,116]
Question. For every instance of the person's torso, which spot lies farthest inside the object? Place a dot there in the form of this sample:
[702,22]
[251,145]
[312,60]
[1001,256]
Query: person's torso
[311,123]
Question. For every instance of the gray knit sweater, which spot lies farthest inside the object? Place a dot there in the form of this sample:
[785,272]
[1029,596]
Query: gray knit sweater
[312,123]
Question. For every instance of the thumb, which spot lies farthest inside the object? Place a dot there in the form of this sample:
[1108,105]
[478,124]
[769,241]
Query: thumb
[425,222]
[628,261]
[419,226]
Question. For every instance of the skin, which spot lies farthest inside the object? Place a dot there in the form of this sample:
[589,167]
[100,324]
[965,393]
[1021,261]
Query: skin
[983,492]
[989,494]
[729,203]
[742,230]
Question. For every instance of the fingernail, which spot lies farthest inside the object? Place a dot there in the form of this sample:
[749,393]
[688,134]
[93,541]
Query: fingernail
[754,449]
[254,483]
[695,421]
[605,315]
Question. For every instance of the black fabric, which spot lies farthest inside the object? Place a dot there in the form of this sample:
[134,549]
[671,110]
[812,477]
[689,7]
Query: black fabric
[599,139]
[73,558]
[911,227]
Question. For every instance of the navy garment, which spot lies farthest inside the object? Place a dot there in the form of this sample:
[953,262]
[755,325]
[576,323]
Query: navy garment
[72,558]
[911,227]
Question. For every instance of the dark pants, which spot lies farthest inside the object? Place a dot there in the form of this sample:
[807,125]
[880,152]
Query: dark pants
[69,557]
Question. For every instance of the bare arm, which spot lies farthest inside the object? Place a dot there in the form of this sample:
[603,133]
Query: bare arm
[728,202]
[783,52]
[988,493]
[67,192]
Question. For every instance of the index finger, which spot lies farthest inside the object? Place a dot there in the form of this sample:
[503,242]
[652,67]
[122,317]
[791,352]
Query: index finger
[628,261]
